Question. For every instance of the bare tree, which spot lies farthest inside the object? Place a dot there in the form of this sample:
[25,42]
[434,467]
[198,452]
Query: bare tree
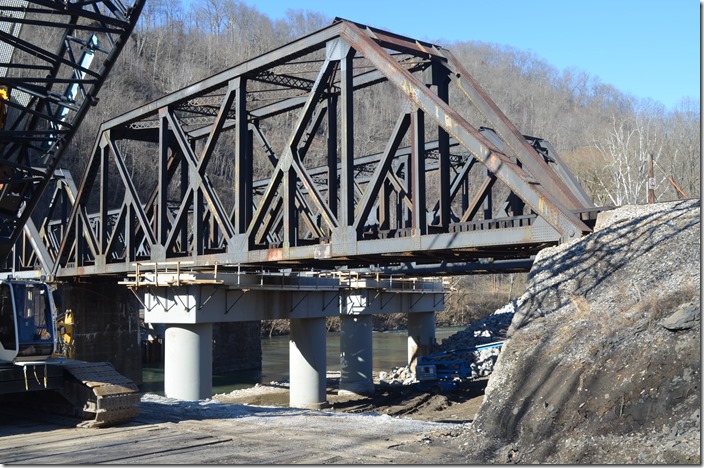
[626,147]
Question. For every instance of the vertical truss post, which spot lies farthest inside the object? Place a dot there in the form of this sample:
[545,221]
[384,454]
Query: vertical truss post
[249,185]
[488,202]
[197,235]
[465,195]
[405,212]
[441,79]
[184,193]
[243,160]
[130,238]
[162,189]
[290,212]
[384,206]
[419,220]
[347,157]
[103,184]
[81,246]
[332,154]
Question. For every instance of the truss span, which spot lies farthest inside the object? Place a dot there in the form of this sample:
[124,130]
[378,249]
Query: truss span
[351,147]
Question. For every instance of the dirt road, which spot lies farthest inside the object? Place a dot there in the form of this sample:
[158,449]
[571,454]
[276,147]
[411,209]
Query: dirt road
[390,427]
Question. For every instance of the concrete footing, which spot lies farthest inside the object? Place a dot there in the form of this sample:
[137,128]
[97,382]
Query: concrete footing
[356,355]
[421,336]
[307,363]
[188,361]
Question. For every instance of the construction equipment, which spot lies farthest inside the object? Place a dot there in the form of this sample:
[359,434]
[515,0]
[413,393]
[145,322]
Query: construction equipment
[444,371]
[30,367]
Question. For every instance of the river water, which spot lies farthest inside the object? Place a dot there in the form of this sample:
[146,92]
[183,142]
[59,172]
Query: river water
[390,349]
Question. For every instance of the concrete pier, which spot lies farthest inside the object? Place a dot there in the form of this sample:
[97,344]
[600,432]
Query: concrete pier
[201,300]
[188,361]
[421,335]
[356,354]
[307,363]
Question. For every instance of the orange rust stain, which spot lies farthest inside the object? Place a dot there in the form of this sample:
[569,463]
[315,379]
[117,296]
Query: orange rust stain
[273,255]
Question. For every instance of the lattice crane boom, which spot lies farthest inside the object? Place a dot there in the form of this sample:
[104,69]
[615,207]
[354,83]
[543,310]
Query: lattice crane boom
[54,58]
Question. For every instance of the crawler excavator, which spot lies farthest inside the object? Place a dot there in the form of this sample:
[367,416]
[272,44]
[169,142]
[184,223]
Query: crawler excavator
[34,376]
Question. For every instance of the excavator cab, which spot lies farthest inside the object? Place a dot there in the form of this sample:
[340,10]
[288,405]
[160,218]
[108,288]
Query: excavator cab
[26,321]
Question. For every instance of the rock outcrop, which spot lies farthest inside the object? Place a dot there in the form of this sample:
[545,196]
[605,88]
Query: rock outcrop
[603,359]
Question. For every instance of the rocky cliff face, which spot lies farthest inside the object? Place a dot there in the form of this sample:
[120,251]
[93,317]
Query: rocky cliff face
[603,359]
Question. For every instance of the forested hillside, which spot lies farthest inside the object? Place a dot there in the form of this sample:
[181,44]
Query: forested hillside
[604,135]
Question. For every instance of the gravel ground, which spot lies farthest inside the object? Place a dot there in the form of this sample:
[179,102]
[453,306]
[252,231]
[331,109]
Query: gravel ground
[603,359]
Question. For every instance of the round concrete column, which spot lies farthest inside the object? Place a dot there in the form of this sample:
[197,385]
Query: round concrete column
[188,361]
[307,363]
[356,354]
[421,335]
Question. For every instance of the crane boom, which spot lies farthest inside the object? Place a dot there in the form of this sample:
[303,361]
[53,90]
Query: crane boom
[54,58]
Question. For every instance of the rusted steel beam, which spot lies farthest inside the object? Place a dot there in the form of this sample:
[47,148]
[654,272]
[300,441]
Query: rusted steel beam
[418,175]
[346,207]
[204,185]
[300,47]
[563,171]
[382,170]
[537,197]
[534,163]
[395,41]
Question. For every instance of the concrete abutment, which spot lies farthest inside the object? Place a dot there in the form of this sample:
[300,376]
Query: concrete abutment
[106,325]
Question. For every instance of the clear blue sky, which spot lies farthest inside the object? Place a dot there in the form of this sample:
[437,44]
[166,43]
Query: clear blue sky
[646,48]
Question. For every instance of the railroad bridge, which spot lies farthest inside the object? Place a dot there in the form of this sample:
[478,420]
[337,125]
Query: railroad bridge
[321,178]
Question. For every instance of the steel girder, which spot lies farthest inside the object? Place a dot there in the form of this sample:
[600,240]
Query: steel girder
[54,58]
[263,165]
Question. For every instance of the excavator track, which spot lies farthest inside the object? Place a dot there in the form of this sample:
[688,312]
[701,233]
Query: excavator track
[103,396]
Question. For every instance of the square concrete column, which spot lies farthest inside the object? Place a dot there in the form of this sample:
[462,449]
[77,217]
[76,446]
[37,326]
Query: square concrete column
[307,363]
[188,361]
[356,354]
[421,335]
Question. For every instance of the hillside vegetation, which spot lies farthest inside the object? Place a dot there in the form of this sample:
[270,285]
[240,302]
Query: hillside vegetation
[604,134]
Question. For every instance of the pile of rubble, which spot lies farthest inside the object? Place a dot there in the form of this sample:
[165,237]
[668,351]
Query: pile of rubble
[398,376]
[487,330]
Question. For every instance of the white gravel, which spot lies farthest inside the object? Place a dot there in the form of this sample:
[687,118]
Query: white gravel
[283,417]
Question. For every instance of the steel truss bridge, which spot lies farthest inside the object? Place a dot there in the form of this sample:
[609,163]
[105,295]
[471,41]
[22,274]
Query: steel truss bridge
[350,148]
